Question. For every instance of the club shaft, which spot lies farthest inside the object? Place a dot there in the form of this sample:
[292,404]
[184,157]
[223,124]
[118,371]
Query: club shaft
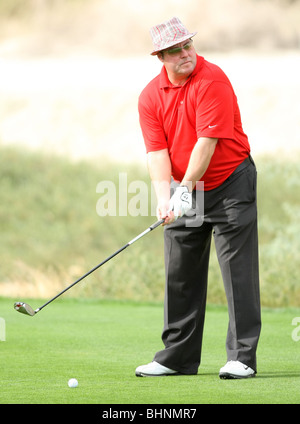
[152,227]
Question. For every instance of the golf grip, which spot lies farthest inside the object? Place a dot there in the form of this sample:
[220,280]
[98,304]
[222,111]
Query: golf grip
[152,227]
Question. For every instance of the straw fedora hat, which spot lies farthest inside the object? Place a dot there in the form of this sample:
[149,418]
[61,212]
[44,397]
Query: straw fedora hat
[168,34]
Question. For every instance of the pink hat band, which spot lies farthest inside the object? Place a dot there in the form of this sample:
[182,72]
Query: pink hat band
[168,34]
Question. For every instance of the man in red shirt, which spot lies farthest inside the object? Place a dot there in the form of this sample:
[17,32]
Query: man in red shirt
[193,135]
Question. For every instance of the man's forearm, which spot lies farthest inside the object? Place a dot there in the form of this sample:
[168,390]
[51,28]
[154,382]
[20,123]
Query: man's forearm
[199,161]
[159,166]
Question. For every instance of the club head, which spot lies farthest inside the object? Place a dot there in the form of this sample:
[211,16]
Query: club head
[24,308]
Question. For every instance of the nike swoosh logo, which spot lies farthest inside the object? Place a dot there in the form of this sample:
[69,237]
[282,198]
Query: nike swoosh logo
[212,126]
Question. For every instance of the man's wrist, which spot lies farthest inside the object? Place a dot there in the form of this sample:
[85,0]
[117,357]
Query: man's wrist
[188,185]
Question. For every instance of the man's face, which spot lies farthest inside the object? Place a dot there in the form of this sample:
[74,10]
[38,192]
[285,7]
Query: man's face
[179,60]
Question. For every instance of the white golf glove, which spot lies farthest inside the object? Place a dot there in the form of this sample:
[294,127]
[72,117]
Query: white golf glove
[181,201]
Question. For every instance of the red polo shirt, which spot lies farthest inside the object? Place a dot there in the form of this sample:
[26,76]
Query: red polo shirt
[175,117]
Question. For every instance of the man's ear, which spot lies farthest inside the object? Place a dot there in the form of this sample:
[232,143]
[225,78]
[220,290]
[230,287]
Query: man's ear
[160,56]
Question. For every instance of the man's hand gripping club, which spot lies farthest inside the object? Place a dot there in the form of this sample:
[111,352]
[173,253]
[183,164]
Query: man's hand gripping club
[180,204]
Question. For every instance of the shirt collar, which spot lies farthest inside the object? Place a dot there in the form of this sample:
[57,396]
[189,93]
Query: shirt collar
[164,80]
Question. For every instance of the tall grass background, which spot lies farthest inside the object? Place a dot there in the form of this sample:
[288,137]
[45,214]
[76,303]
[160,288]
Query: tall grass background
[51,233]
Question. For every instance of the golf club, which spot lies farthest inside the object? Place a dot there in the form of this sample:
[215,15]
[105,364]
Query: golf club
[26,309]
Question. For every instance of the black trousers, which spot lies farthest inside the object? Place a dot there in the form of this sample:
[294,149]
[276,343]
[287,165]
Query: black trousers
[230,214]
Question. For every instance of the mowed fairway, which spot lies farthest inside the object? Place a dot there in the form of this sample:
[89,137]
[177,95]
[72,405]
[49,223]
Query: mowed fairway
[100,343]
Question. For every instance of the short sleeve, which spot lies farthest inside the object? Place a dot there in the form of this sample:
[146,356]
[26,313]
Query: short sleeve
[215,111]
[152,129]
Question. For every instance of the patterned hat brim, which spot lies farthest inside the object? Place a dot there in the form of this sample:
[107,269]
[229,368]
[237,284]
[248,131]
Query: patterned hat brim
[173,43]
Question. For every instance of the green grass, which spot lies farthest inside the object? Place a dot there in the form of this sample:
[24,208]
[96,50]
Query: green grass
[51,233]
[101,343]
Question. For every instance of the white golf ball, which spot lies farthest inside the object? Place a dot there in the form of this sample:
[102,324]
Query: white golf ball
[72,383]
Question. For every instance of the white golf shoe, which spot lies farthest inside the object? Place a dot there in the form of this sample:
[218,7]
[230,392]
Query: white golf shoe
[236,369]
[153,369]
